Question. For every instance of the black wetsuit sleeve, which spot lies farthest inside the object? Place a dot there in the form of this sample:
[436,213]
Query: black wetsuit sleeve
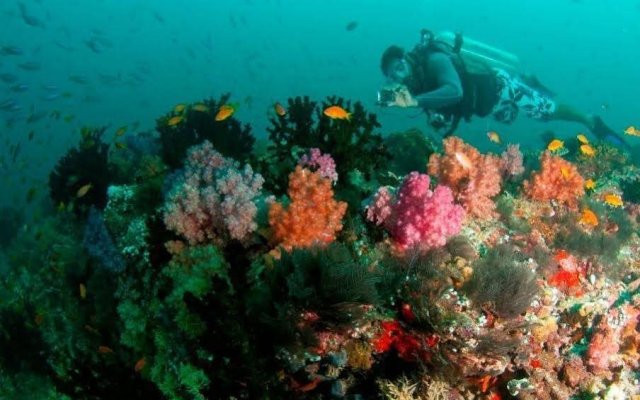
[449,90]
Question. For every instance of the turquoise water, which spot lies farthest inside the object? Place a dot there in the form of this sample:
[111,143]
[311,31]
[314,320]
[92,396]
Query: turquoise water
[147,57]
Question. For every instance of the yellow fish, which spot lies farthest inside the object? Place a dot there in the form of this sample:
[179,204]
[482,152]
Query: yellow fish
[83,291]
[200,107]
[613,199]
[337,112]
[631,130]
[590,184]
[587,150]
[224,112]
[566,173]
[83,190]
[279,109]
[173,121]
[555,145]
[179,108]
[493,136]
[121,131]
[582,138]
[120,145]
[588,217]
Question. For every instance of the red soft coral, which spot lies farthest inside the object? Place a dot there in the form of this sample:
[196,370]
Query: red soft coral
[313,215]
[474,178]
[557,180]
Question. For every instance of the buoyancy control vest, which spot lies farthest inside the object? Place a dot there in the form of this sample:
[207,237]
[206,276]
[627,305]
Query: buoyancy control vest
[479,85]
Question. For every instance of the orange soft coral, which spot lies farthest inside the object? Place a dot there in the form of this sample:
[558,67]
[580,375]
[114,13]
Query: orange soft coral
[474,178]
[557,180]
[313,215]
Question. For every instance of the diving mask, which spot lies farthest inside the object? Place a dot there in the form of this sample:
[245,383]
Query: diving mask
[399,69]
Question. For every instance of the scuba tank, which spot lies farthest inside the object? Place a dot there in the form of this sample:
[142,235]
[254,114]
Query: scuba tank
[478,57]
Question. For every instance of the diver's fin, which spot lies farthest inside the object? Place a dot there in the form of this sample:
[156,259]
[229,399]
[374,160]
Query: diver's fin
[534,83]
[606,134]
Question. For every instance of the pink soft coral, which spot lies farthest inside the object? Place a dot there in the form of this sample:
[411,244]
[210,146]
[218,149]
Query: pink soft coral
[323,163]
[557,180]
[474,178]
[212,199]
[419,217]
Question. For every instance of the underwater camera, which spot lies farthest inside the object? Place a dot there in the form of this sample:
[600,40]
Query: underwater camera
[386,96]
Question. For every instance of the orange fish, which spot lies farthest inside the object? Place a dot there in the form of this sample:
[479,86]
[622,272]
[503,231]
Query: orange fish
[566,172]
[224,112]
[590,184]
[613,199]
[279,109]
[587,150]
[140,365]
[337,112]
[38,319]
[632,130]
[104,350]
[555,145]
[179,108]
[83,190]
[582,139]
[494,137]
[83,291]
[200,107]
[588,217]
[173,121]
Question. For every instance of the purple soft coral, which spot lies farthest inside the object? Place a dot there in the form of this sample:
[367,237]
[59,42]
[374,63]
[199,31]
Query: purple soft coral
[323,163]
[213,200]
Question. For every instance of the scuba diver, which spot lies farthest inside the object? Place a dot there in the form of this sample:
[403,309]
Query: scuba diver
[452,78]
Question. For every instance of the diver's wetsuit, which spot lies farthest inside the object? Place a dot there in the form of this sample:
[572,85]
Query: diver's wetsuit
[449,90]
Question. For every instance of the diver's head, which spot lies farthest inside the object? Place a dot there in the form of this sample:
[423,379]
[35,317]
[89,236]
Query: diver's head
[394,64]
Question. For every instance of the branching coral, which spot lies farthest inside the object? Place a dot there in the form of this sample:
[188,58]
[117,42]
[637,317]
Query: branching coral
[557,180]
[81,177]
[213,199]
[312,217]
[474,178]
[418,216]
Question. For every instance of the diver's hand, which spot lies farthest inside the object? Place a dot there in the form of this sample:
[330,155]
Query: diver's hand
[403,98]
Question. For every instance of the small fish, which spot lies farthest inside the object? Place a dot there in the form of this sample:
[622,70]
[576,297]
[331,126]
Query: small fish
[555,145]
[590,184]
[224,112]
[68,118]
[173,121]
[61,206]
[104,350]
[83,291]
[200,107]
[494,137]
[19,88]
[337,112]
[179,108]
[351,26]
[7,77]
[11,51]
[30,136]
[582,139]
[120,145]
[587,150]
[566,173]
[463,160]
[613,199]
[632,131]
[29,66]
[588,217]
[121,131]
[83,190]
[279,109]
[38,319]
[140,364]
